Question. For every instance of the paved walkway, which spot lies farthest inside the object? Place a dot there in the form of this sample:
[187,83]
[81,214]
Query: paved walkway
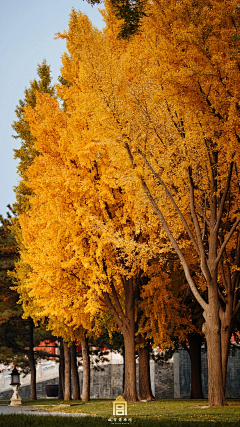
[5,409]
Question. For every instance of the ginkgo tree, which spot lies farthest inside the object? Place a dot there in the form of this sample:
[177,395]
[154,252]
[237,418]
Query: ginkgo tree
[170,98]
[76,248]
[188,139]
[27,152]
[59,224]
[26,155]
[86,239]
[144,160]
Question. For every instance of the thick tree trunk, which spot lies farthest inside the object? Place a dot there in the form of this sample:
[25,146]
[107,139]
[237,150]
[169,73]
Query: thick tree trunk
[61,371]
[31,358]
[130,390]
[215,379]
[212,330]
[67,376]
[74,370]
[128,331]
[86,370]
[145,391]
[195,341]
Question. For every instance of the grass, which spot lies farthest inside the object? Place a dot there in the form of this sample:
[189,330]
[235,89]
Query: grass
[159,413]
[56,421]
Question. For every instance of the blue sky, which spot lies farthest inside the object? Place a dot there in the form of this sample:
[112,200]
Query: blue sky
[27,29]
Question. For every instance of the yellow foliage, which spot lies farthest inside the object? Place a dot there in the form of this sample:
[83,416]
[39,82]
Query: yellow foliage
[138,111]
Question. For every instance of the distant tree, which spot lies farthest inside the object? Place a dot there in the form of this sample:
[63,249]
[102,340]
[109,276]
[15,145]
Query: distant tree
[27,152]
[18,337]
[130,12]
[26,155]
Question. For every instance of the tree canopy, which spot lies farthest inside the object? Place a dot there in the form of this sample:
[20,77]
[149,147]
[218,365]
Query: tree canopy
[139,166]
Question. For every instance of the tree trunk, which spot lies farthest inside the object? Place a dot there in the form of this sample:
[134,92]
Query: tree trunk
[67,376]
[123,369]
[128,331]
[212,330]
[145,391]
[225,339]
[74,370]
[126,325]
[226,332]
[61,371]
[195,341]
[130,390]
[31,358]
[86,370]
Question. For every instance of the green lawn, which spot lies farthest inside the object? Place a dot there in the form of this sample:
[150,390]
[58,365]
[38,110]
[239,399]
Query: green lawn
[166,411]
[49,421]
[56,421]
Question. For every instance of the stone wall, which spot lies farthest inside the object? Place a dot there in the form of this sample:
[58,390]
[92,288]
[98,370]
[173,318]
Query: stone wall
[182,374]
[164,380]
[169,380]
[24,391]
[106,383]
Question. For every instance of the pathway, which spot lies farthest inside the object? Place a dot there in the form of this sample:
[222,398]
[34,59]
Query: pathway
[5,409]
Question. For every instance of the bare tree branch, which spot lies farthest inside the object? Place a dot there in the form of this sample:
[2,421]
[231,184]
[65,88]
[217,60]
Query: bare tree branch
[204,266]
[117,302]
[224,196]
[222,296]
[226,242]
[203,213]
[236,273]
[112,309]
[236,293]
[191,283]
[173,202]
[236,308]
[223,276]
